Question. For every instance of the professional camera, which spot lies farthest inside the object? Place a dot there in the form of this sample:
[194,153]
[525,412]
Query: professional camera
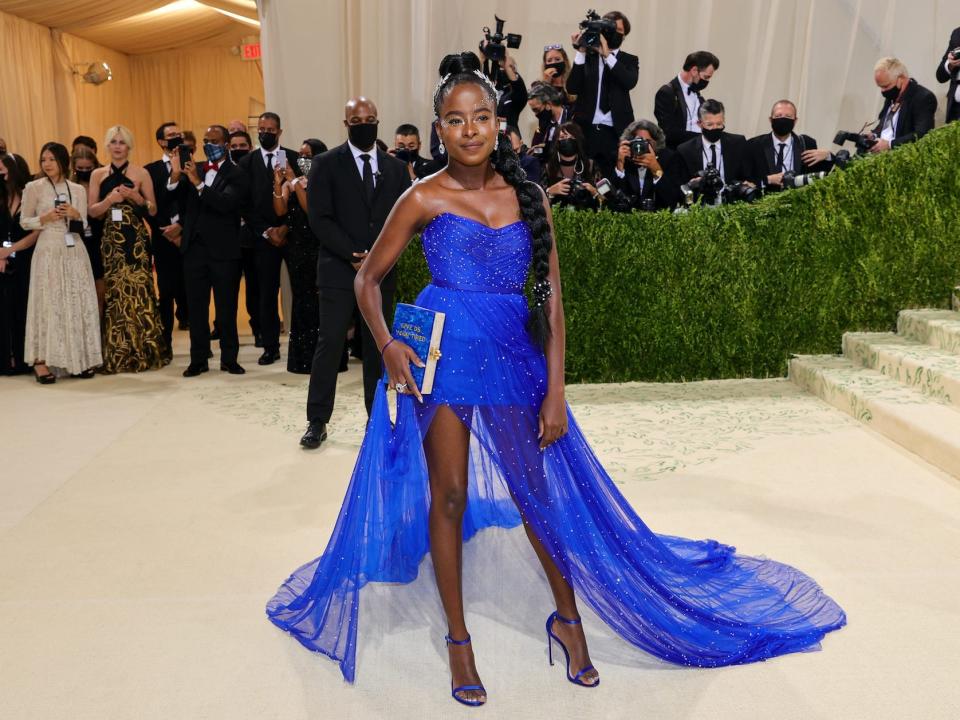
[842,158]
[739,192]
[862,142]
[579,196]
[495,49]
[792,180]
[593,27]
[639,147]
[708,182]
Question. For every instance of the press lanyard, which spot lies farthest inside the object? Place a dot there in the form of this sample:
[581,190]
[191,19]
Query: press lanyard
[69,194]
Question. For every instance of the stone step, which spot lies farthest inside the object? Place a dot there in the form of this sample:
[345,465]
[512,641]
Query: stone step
[929,370]
[937,328]
[922,424]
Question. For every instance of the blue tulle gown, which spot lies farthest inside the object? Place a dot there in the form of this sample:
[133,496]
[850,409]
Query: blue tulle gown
[690,602]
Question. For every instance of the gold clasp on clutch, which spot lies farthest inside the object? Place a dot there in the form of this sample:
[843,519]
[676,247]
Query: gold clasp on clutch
[435,353]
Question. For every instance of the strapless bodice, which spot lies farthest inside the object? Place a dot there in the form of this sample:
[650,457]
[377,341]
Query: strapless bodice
[465,254]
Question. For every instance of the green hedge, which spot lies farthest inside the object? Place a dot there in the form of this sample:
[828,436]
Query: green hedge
[734,291]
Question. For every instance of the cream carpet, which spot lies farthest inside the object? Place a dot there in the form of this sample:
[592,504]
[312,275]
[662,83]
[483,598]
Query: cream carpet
[146,519]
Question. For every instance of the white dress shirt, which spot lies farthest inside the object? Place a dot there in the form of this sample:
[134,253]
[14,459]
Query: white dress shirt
[374,166]
[787,151]
[946,66]
[599,118]
[889,130]
[707,155]
[693,106]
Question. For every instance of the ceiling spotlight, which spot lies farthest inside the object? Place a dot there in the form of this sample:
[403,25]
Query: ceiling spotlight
[96,73]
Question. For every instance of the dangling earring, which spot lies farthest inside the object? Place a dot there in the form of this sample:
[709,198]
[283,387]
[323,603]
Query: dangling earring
[442,149]
[496,144]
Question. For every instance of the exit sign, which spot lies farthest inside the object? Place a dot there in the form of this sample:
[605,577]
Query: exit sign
[250,51]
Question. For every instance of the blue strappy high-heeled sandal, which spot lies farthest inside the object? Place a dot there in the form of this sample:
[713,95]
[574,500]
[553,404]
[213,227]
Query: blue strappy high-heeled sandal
[463,688]
[575,679]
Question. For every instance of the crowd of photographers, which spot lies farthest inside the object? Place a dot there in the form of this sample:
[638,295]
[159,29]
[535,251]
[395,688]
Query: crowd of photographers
[590,151]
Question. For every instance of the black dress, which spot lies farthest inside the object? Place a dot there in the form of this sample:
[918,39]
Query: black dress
[302,249]
[132,333]
[14,292]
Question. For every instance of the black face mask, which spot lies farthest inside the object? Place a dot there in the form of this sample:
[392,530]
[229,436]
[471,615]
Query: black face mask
[545,115]
[408,156]
[699,85]
[235,155]
[568,147]
[83,175]
[713,134]
[363,135]
[174,142]
[558,66]
[782,126]
[268,140]
[891,94]
[615,41]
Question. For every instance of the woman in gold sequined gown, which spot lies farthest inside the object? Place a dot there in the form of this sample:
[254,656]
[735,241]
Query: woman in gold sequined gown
[122,194]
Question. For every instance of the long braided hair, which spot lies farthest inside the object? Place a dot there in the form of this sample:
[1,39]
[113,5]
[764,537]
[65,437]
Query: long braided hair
[529,195]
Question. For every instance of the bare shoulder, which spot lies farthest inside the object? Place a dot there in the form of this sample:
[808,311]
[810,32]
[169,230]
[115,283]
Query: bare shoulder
[99,173]
[426,199]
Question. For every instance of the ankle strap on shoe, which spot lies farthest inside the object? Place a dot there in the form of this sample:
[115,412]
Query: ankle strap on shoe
[451,641]
[568,621]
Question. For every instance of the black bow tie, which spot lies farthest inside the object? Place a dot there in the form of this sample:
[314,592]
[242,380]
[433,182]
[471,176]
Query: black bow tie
[690,90]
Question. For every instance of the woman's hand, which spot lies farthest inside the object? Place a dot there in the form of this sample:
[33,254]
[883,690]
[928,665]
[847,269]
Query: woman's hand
[115,196]
[70,211]
[397,357]
[592,189]
[560,188]
[5,252]
[553,419]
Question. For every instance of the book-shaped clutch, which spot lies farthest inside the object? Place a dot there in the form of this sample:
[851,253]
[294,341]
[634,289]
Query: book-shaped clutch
[421,329]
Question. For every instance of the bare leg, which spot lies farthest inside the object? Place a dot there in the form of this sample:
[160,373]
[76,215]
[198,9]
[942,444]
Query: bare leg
[446,447]
[571,635]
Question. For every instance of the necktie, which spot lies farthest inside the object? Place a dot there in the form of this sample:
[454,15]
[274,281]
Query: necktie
[781,148]
[367,176]
[713,155]
[604,87]
[270,162]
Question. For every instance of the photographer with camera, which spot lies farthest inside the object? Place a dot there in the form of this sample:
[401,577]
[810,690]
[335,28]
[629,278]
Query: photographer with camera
[908,110]
[715,147]
[949,71]
[647,171]
[602,77]
[546,102]
[571,176]
[783,153]
[677,102]
[501,67]
[555,69]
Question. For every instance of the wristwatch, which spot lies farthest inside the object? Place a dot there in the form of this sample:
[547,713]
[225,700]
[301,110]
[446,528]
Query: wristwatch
[658,174]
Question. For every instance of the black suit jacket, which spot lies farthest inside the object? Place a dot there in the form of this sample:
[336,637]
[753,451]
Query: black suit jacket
[763,157]
[584,82]
[212,216]
[166,200]
[665,192]
[953,107]
[733,150]
[670,109]
[341,217]
[915,120]
[257,183]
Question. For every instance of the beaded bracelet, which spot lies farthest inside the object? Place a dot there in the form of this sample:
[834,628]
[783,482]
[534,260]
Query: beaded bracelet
[386,345]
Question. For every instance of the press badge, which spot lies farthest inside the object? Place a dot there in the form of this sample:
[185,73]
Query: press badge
[70,239]
[116,214]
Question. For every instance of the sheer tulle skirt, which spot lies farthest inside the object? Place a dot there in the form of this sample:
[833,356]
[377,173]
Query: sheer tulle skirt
[689,602]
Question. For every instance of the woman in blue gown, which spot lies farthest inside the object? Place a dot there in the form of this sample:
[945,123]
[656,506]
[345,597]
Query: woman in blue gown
[495,445]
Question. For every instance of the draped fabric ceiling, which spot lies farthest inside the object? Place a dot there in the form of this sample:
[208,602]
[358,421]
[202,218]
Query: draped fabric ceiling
[170,61]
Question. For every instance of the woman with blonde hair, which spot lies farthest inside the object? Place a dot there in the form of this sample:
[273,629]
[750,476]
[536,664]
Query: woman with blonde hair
[122,194]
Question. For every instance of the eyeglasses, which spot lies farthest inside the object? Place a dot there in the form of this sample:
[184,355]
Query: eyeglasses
[556,46]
